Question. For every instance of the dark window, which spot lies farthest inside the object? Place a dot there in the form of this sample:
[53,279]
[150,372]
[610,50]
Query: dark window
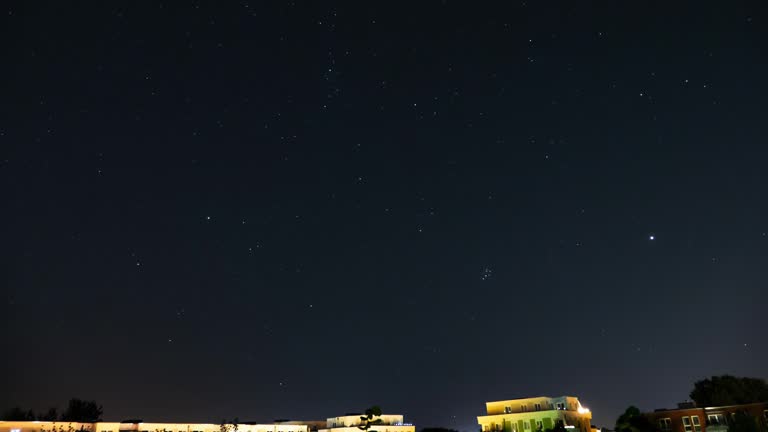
[665,424]
[687,424]
[696,423]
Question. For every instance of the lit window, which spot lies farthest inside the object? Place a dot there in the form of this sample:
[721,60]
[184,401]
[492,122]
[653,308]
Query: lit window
[716,419]
[696,423]
[537,407]
[687,424]
[508,410]
[665,424]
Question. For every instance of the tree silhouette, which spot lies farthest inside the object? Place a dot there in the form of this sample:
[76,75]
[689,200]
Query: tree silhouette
[368,419]
[51,415]
[231,426]
[743,422]
[729,390]
[634,421]
[18,414]
[82,411]
[437,429]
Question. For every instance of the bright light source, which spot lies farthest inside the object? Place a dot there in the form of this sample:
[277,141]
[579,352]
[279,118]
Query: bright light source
[583,410]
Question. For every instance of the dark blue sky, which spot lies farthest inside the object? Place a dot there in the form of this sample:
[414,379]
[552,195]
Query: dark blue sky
[300,209]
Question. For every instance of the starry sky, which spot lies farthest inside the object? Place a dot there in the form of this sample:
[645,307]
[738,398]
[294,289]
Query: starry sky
[300,209]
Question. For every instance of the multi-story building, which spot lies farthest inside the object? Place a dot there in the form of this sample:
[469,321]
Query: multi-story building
[689,418]
[535,414]
[141,426]
[350,423]
[346,423]
[314,425]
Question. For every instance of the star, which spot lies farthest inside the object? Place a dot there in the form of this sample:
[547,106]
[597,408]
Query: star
[486,274]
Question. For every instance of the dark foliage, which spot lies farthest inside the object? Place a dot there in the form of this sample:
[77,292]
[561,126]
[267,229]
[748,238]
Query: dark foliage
[82,411]
[743,422]
[368,419]
[634,421]
[437,429]
[18,414]
[729,390]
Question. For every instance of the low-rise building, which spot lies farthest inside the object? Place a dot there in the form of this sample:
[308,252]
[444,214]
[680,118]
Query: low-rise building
[689,418]
[141,426]
[350,423]
[535,414]
[345,423]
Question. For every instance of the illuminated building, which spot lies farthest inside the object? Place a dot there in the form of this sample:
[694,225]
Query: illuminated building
[346,423]
[141,426]
[689,418]
[350,423]
[535,414]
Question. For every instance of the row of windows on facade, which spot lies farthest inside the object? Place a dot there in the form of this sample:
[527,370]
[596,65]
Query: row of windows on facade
[693,424]
[537,407]
[158,430]
[526,426]
[161,430]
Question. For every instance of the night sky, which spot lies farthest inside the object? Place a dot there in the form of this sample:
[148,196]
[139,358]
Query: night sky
[301,209]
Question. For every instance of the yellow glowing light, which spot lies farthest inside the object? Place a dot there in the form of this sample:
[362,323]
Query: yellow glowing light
[583,410]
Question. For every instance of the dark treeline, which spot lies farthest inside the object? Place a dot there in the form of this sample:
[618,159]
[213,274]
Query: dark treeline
[78,410]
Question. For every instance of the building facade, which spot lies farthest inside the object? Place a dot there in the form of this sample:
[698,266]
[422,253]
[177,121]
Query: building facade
[140,426]
[535,414]
[350,423]
[346,423]
[689,418]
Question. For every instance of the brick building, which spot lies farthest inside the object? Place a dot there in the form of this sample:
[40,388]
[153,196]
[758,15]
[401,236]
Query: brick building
[689,418]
